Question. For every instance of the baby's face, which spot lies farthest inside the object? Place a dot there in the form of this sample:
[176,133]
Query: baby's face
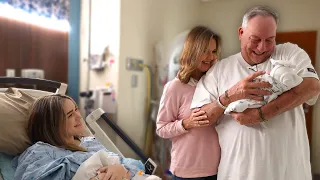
[286,76]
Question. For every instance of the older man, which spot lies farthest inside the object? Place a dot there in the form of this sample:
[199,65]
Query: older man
[271,142]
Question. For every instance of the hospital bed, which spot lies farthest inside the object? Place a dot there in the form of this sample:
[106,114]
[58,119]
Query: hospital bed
[91,119]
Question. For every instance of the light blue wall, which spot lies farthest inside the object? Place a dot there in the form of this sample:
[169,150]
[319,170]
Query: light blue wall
[74,50]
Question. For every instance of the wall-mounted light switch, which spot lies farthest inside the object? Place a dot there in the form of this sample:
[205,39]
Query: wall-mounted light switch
[134,80]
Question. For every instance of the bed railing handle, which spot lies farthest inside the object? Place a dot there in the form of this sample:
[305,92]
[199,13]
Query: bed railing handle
[61,87]
[150,165]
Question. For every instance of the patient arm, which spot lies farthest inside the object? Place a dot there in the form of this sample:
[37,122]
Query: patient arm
[298,95]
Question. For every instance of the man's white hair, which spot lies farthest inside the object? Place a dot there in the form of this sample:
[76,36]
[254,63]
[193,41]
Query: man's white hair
[259,11]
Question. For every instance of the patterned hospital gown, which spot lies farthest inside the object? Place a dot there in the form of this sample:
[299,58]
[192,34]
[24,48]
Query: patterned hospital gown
[44,161]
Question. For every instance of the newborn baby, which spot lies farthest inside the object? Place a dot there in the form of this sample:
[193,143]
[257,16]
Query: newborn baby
[88,169]
[282,77]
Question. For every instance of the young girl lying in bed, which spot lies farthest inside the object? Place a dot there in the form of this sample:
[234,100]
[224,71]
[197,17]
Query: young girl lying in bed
[55,128]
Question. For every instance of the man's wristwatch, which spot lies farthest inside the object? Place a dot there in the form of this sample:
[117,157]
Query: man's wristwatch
[220,104]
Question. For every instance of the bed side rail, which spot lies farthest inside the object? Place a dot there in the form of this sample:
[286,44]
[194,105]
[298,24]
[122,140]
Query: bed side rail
[61,87]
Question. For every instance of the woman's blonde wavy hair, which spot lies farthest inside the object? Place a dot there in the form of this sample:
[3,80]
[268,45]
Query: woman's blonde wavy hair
[196,43]
[47,122]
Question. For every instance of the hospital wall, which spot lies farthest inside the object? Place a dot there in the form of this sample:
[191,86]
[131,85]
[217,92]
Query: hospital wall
[131,28]
[105,31]
[143,24]
[295,15]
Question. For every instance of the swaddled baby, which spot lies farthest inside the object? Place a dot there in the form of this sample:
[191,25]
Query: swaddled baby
[88,169]
[282,77]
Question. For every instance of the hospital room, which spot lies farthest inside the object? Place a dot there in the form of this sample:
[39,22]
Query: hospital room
[86,89]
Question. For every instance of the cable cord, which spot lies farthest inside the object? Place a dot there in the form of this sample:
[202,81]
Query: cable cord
[149,126]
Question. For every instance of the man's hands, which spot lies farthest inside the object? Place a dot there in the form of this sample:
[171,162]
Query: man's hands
[197,119]
[213,111]
[248,89]
[248,117]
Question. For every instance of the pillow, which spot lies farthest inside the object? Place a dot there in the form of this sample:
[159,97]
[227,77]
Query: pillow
[7,170]
[14,109]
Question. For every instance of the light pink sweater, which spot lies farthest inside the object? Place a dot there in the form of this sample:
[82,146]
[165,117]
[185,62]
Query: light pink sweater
[196,152]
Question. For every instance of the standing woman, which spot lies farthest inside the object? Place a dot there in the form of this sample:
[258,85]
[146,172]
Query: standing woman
[195,149]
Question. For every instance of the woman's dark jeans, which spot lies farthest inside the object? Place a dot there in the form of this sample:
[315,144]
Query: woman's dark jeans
[214,177]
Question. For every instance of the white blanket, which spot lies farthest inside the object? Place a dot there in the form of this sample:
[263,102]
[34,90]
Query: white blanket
[282,77]
[100,159]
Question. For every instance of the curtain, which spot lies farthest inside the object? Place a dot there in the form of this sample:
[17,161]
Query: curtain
[56,9]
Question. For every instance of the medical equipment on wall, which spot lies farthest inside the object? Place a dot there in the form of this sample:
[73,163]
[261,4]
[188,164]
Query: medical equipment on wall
[99,62]
[100,97]
[32,73]
[95,61]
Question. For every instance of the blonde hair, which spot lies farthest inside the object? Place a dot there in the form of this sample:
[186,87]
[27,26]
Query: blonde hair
[196,43]
[47,122]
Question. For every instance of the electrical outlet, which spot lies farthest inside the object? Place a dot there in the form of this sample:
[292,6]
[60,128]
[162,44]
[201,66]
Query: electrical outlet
[134,64]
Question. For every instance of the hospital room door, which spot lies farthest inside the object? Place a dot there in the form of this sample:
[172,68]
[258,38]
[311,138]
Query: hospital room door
[307,40]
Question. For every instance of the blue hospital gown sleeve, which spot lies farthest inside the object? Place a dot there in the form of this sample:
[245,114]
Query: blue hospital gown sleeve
[45,162]
[42,161]
[132,165]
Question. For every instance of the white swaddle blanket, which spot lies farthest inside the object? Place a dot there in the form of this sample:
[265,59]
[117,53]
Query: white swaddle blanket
[282,78]
[100,159]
